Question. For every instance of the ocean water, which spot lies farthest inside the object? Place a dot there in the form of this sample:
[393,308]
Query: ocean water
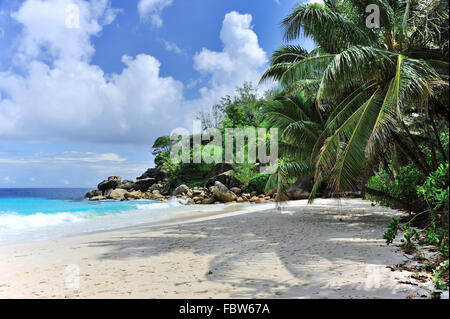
[41,214]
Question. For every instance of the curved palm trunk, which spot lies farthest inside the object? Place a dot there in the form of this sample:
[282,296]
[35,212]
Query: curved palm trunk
[436,134]
[411,156]
[416,147]
[403,204]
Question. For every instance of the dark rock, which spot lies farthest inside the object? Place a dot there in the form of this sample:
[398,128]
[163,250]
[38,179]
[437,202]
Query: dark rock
[107,192]
[208,200]
[112,182]
[300,189]
[181,190]
[218,169]
[272,192]
[127,185]
[236,190]
[93,193]
[222,193]
[225,178]
[144,184]
[153,173]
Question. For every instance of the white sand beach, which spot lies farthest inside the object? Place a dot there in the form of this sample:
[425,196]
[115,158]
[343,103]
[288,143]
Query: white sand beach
[330,249]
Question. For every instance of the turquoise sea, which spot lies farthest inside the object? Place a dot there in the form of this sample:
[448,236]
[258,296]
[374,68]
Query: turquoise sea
[45,213]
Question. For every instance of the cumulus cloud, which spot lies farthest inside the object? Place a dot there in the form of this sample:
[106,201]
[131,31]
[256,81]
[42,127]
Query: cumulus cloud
[151,9]
[58,37]
[57,94]
[69,98]
[241,59]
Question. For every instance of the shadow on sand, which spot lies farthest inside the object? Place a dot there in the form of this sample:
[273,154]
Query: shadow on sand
[322,247]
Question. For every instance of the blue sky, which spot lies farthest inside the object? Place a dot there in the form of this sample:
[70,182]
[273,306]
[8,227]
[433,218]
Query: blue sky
[86,86]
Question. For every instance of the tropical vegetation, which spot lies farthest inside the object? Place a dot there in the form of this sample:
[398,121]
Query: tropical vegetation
[365,111]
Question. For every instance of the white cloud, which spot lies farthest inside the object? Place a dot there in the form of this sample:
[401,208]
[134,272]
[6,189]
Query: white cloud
[241,59]
[72,156]
[90,157]
[17,161]
[172,47]
[70,98]
[124,168]
[54,39]
[151,9]
[60,96]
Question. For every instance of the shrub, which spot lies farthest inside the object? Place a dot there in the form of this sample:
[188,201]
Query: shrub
[435,189]
[244,173]
[258,183]
[403,187]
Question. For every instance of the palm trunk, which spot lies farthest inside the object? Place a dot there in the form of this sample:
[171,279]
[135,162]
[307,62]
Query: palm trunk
[416,146]
[426,129]
[411,156]
[436,134]
[400,203]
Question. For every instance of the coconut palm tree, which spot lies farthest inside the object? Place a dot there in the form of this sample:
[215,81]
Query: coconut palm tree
[300,125]
[372,76]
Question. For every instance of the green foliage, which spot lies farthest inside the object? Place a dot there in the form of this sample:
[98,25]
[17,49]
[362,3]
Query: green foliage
[409,234]
[237,111]
[190,174]
[244,173]
[257,183]
[437,236]
[238,116]
[299,125]
[161,150]
[435,190]
[440,271]
[161,144]
[369,79]
[402,187]
[392,231]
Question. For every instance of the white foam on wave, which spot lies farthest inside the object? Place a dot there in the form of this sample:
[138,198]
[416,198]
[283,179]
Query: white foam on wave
[16,221]
[16,227]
